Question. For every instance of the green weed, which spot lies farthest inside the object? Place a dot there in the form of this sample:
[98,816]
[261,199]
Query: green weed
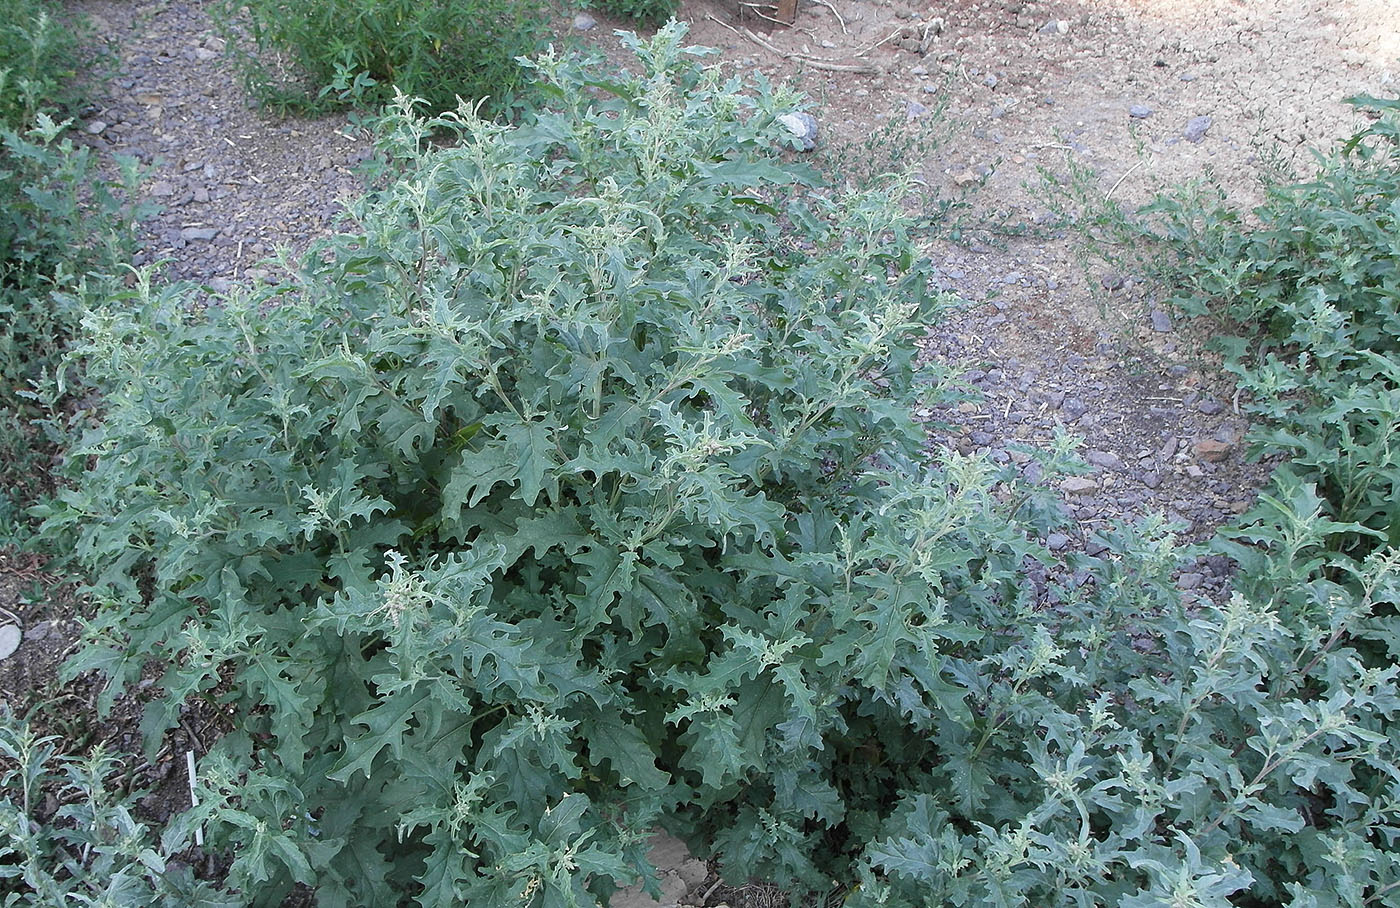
[315,55]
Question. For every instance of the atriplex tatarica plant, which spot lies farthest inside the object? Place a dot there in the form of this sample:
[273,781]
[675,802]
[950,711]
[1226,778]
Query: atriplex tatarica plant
[575,491]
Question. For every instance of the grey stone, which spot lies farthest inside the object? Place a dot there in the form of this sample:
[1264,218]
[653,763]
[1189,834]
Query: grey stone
[1056,541]
[198,233]
[1139,112]
[1196,128]
[990,81]
[1161,322]
[10,636]
[1105,459]
[39,631]
[803,126]
[693,873]
[673,889]
[583,22]
[1189,580]
[96,127]
[1152,479]
[1079,485]
[1210,406]
[1055,27]
[1111,280]
[913,110]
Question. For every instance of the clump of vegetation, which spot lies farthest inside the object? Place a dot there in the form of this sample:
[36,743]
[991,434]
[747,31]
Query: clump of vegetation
[644,12]
[67,839]
[313,55]
[577,491]
[58,221]
[1314,292]
[40,54]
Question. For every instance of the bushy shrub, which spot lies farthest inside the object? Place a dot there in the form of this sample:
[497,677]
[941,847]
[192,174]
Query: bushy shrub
[91,850]
[578,491]
[40,48]
[1315,292]
[58,220]
[652,12]
[316,54]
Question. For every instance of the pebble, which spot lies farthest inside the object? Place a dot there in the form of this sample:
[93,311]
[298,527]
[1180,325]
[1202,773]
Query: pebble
[966,178]
[1212,450]
[96,127]
[1106,459]
[1196,128]
[1152,479]
[1210,406]
[39,631]
[1189,581]
[803,126]
[1139,112]
[1056,541]
[1055,27]
[1161,322]
[198,233]
[10,635]
[913,110]
[1111,280]
[1079,485]
[583,22]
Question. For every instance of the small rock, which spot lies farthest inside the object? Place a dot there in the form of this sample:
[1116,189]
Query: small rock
[198,233]
[1139,112]
[96,127]
[1196,128]
[1161,322]
[162,188]
[1111,280]
[1212,450]
[1079,485]
[1056,541]
[990,81]
[1152,479]
[803,126]
[919,70]
[10,635]
[40,630]
[913,110]
[966,178]
[1106,459]
[1073,408]
[1189,580]
[205,54]
[583,22]
[1055,27]
[693,872]
[1210,406]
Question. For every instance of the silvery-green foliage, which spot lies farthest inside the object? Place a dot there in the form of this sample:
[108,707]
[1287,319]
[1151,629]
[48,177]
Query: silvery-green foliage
[91,850]
[577,491]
